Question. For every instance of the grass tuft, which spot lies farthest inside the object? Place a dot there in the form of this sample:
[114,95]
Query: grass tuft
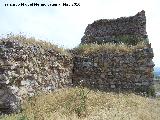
[90,49]
[22,39]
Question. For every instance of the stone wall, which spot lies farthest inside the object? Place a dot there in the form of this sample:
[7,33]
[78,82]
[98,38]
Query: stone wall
[28,69]
[115,69]
[109,30]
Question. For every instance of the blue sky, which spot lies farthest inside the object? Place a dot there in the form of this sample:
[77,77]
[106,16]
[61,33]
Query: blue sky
[65,26]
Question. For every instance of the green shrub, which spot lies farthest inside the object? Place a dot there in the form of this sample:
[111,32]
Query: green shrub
[151,91]
[130,39]
[77,103]
[23,117]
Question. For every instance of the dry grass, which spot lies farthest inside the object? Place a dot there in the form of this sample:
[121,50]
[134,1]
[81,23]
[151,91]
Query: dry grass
[88,49]
[22,39]
[63,105]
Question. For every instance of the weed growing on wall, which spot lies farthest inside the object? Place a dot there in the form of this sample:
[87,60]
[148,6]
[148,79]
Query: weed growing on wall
[130,39]
[22,39]
[91,49]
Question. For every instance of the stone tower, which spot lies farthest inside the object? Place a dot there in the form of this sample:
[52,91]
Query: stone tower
[112,30]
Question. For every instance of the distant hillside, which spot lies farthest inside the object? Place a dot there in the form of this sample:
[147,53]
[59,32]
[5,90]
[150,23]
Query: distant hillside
[157,71]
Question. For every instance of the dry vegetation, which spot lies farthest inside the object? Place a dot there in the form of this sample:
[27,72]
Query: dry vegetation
[87,49]
[84,104]
[22,39]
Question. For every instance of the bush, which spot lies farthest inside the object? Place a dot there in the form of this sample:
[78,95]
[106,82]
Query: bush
[130,39]
[151,91]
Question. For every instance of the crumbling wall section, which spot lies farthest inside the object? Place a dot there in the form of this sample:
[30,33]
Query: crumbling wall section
[115,70]
[27,70]
[109,30]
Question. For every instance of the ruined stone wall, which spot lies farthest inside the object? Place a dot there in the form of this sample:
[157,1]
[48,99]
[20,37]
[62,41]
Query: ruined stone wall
[108,30]
[27,70]
[115,70]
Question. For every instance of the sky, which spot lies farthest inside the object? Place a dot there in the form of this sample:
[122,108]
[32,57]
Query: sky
[65,25]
